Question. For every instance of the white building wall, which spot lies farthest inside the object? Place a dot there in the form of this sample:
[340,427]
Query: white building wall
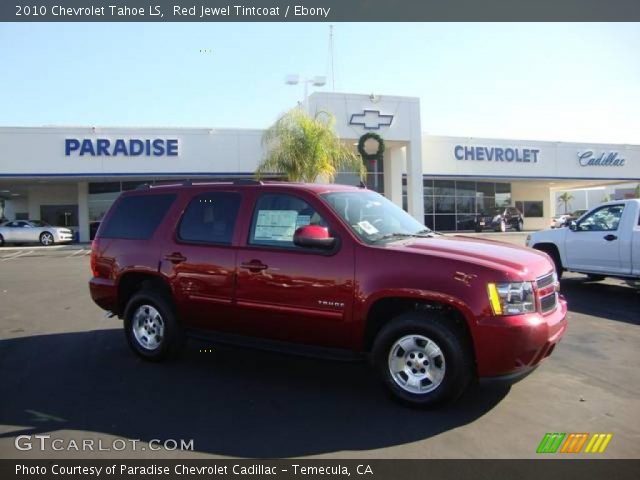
[533,191]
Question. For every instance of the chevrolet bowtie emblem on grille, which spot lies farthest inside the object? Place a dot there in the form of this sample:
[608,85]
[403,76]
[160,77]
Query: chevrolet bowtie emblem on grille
[371,119]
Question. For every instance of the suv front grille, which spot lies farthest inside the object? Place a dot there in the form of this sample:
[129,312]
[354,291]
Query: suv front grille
[548,303]
[545,280]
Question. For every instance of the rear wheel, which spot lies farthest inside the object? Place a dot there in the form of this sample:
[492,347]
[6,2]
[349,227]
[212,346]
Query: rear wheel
[423,360]
[1,240]
[519,225]
[151,326]
[46,239]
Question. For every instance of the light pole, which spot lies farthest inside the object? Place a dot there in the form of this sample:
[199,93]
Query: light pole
[317,81]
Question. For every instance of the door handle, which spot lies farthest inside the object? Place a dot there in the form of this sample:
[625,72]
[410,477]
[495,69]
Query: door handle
[610,237]
[254,266]
[175,257]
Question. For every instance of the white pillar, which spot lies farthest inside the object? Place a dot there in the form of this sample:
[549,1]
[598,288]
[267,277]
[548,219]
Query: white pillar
[415,189]
[393,166]
[83,211]
[33,203]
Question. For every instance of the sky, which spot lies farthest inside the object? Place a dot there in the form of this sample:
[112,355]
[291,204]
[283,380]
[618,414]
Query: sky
[557,81]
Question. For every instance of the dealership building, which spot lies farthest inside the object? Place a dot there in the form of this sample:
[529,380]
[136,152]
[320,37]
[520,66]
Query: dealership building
[71,175]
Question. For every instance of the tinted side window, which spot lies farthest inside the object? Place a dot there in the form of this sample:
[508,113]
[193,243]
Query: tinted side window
[210,218]
[137,217]
[276,218]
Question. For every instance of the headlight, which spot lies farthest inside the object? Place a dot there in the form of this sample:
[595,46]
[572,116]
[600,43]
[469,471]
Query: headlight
[511,298]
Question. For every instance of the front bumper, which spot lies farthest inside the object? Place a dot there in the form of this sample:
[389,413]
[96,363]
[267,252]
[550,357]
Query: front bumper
[515,345]
[63,237]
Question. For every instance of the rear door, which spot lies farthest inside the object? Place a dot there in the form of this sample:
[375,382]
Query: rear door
[291,293]
[200,258]
[595,244]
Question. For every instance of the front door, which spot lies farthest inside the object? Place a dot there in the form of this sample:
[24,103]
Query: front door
[594,245]
[292,293]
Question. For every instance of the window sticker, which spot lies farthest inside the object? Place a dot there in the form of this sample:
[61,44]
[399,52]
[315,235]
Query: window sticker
[367,228]
[276,225]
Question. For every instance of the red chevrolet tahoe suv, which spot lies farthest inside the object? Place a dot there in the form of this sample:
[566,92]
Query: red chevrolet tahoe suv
[324,270]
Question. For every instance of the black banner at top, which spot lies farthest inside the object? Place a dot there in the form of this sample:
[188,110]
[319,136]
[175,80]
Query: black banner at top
[317,10]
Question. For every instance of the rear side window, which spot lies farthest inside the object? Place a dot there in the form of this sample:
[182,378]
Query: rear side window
[137,217]
[210,218]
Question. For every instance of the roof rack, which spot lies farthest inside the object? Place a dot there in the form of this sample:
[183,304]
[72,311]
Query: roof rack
[143,186]
[247,181]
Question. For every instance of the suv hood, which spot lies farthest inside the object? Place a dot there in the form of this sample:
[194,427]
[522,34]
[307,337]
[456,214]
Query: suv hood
[524,263]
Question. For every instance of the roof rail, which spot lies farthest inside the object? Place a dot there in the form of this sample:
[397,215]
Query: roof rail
[143,186]
[246,181]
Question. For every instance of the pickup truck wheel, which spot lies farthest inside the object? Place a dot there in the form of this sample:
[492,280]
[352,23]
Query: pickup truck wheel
[1,240]
[595,278]
[423,360]
[555,256]
[151,327]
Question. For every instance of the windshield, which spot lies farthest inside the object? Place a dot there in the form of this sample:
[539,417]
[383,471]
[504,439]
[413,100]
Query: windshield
[372,217]
[39,223]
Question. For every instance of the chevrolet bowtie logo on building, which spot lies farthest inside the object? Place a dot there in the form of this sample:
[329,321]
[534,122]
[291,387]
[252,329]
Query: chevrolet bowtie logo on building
[574,443]
[371,119]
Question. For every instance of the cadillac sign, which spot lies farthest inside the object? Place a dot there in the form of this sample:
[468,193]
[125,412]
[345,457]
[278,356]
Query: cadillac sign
[590,159]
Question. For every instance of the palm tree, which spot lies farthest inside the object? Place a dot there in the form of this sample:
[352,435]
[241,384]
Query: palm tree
[565,198]
[637,191]
[304,148]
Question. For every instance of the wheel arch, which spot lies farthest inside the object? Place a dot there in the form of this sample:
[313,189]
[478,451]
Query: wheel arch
[550,249]
[384,308]
[132,282]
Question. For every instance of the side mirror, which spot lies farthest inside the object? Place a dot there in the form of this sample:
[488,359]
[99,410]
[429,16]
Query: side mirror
[313,236]
[573,226]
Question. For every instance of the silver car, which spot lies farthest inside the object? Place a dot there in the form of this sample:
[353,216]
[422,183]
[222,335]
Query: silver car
[33,231]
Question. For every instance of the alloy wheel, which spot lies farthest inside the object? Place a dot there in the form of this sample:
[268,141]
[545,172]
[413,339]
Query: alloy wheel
[416,364]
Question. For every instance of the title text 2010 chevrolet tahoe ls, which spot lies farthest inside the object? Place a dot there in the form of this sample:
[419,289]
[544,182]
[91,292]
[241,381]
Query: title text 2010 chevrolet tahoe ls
[324,269]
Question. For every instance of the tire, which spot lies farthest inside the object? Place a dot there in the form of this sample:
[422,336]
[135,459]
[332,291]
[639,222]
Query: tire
[502,226]
[519,225]
[478,228]
[150,316]
[595,278]
[1,241]
[555,256]
[46,239]
[443,346]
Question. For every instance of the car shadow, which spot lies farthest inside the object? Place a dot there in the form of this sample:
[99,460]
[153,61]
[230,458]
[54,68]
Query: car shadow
[230,401]
[611,301]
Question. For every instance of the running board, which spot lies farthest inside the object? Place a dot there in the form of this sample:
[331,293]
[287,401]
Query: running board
[302,350]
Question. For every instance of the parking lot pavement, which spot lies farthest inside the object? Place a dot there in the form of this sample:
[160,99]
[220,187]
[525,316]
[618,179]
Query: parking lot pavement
[67,372]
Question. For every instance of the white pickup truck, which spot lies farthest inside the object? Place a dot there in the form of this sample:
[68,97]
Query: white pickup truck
[604,242]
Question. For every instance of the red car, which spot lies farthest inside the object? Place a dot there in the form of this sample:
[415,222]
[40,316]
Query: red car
[324,270]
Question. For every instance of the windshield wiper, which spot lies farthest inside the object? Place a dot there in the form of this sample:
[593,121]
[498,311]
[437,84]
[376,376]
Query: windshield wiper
[420,234]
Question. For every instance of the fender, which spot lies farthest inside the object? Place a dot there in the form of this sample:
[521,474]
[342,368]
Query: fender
[363,308]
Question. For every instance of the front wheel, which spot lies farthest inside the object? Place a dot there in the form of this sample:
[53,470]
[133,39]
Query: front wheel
[151,327]
[423,360]
[1,240]
[501,227]
[46,239]
[595,278]
[519,225]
